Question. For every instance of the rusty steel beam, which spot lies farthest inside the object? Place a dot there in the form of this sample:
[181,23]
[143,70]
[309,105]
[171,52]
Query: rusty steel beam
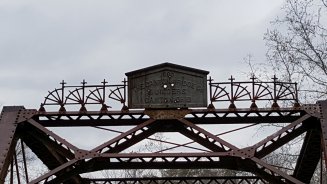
[117,140]
[53,135]
[280,142]
[34,137]
[185,132]
[100,163]
[116,144]
[201,140]
[24,161]
[8,123]
[119,162]
[186,180]
[131,138]
[70,161]
[47,150]
[157,140]
[53,172]
[17,167]
[275,172]
[251,166]
[260,147]
[323,121]
[169,161]
[196,116]
[281,137]
[218,141]
[149,161]
[309,156]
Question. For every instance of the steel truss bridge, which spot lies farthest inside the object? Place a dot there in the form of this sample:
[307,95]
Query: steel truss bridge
[66,162]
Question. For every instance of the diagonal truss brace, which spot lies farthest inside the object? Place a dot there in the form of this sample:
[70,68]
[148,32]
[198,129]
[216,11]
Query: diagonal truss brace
[227,148]
[245,154]
[53,135]
[123,137]
[273,142]
[46,176]
[209,136]
[94,153]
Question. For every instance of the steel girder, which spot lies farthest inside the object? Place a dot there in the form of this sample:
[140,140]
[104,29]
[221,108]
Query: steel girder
[8,124]
[186,180]
[66,162]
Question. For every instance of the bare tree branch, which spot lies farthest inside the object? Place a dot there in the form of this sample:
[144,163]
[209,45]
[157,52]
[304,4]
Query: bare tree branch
[297,47]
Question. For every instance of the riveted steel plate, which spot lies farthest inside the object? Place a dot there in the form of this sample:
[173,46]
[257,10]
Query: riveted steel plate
[167,86]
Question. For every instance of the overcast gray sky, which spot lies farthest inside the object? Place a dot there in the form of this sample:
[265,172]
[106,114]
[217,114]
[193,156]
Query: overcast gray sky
[43,42]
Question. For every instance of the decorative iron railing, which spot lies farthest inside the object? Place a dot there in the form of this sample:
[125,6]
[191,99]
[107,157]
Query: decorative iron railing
[86,95]
[253,91]
[104,95]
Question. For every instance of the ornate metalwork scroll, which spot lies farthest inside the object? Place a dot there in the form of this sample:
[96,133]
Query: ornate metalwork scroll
[85,94]
[103,95]
[253,91]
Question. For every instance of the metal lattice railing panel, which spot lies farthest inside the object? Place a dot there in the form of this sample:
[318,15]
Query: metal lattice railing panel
[86,95]
[253,91]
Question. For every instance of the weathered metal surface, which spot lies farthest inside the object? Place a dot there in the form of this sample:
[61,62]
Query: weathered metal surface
[167,113]
[167,86]
[184,180]
[167,94]
[82,95]
[310,152]
[108,155]
[284,177]
[51,152]
[252,92]
[323,122]
[8,124]
[312,109]
[280,137]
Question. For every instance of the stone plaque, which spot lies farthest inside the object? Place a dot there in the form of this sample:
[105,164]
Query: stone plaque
[167,86]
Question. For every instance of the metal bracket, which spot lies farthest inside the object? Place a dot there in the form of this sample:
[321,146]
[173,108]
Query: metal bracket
[84,154]
[313,110]
[25,114]
[243,153]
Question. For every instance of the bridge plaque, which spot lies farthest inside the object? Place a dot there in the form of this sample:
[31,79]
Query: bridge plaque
[167,85]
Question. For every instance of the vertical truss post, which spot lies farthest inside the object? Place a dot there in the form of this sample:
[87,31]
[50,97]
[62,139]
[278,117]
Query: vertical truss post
[24,160]
[210,93]
[12,172]
[323,121]
[17,168]
[321,167]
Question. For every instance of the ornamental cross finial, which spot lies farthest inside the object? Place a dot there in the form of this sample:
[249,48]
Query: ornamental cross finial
[104,82]
[83,82]
[253,77]
[124,81]
[231,79]
[63,83]
[274,78]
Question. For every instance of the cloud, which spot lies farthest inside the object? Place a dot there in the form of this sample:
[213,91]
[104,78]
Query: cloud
[43,42]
